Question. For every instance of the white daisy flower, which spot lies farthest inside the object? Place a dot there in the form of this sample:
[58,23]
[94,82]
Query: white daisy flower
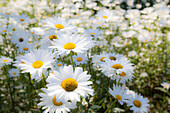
[115,56]
[36,62]
[69,85]
[76,43]
[119,70]
[144,74]
[93,33]
[105,15]
[144,38]
[37,31]
[52,104]
[98,59]
[59,24]
[165,85]
[130,92]
[14,72]
[22,18]
[138,103]
[25,47]
[5,60]
[132,13]
[7,14]
[147,10]
[47,38]
[20,37]
[3,30]
[128,34]
[119,93]
[132,53]
[56,65]
[103,25]
[13,28]
[164,23]
[80,59]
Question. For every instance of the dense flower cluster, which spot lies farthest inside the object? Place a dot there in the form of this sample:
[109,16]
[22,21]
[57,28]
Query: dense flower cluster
[58,47]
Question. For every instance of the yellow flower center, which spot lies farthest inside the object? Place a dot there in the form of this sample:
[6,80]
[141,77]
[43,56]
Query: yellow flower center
[112,58]
[25,49]
[21,19]
[118,97]
[133,23]
[59,64]
[21,39]
[103,25]
[14,73]
[4,60]
[102,59]
[69,46]
[117,66]
[22,62]
[105,17]
[32,32]
[53,37]
[13,29]
[3,30]
[69,84]
[123,74]
[79,59]
[55,102]
[165,86]
[146,40]
[133,12]
[92,33]
[99,22]
[37,64]
[59,26]
[137,103]
[8,13]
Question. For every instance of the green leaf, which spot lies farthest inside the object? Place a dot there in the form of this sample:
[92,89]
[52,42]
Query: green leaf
[161,89]
[95,106]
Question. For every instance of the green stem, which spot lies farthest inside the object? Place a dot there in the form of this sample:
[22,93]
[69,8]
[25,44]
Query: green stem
[61,60]
[44,79]
[9,86]
[110,106]
[72,60]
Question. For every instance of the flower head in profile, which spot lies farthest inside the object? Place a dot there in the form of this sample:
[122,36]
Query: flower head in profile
[5,60]
[52,104]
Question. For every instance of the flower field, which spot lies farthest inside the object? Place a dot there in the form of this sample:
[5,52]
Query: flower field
[84,56]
